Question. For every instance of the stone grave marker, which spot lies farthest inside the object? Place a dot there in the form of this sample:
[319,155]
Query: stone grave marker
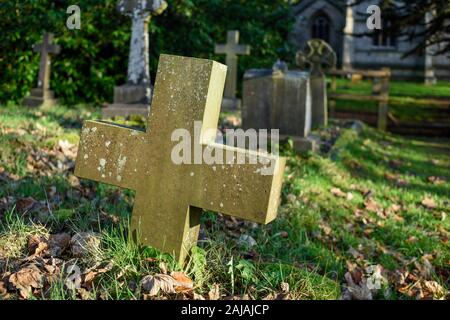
[169,196]
[232,49]
[135,96]
[279,99]
[42,95]
[317,58]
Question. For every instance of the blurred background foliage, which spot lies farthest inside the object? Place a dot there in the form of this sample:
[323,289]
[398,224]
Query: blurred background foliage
[94,59]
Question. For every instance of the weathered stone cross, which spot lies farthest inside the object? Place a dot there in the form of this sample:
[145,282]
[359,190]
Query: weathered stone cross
[170,196]
[45,49]
[141,12]
[42,95]
[232,48]
[135,96]
[318,58]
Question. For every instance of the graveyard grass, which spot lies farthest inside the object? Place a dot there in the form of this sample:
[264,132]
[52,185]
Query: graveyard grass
[375,200]
[406,99]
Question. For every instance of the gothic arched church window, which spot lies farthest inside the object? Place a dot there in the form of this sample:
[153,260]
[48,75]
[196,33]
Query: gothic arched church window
[386,36]
[320,27]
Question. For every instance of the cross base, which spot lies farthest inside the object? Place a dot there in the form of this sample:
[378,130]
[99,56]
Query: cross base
[231,104]
[131,94]
[303,144]
[40,97]
[124,110]
[128,100]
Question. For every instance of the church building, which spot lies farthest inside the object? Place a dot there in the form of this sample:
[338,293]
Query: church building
[337,23]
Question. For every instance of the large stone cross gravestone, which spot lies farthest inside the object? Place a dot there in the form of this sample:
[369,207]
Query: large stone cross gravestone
[170,196]
[42,95]
[232,49]
[135,96]
[317,58]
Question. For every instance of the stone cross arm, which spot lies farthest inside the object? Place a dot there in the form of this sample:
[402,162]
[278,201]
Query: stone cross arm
[240,190]
[241,49]
[170,195]
[117,152]
[46,47]
[232,47]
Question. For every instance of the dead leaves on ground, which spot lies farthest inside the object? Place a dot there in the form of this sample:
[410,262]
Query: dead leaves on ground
[50,259]
[177,284]
[436,180]
[27,279]
[80,244]
[418,283]
[363,284]
[84,243]
[338,192]
[415,279]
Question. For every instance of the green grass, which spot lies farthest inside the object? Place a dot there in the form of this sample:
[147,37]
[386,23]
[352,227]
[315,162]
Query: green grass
[405,104]
[309,246]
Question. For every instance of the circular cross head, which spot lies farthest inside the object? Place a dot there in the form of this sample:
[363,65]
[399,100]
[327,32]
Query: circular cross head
[318,57]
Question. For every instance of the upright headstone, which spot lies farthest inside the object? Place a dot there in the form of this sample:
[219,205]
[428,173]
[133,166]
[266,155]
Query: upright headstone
[135,96]
[42,95]
[231,49]
[317,58]
[169,194]
[279,99]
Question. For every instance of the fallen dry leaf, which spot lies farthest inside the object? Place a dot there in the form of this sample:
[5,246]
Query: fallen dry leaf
[73,280]
[429,203]
[197,296]
[412,239]
[355,253]
[424,267]
[338,192]
[356,291]
[3,290]
[283,295]
[37,245]
[163,267]
[153,284]
[291,198]
[435,290]
[84,243]
[214,293]
[325,228]
[395,207]
[74,181]
[67,148]
[58,243]
[92,273]
[183,283]
[26,279]
[25,204]
[436,180]
[85,294]
[284,287]
[372,206]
